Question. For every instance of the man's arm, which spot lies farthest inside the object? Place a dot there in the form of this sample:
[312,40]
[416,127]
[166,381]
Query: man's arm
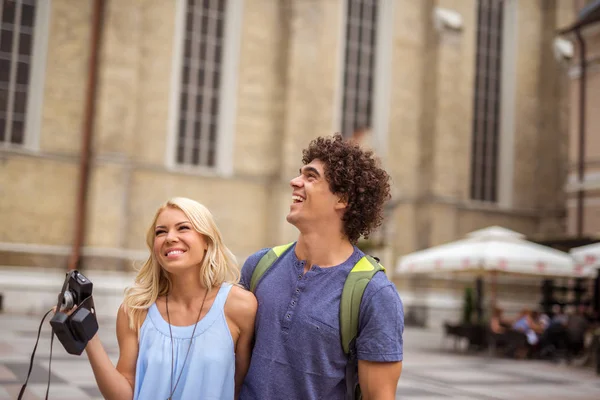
[378,380]
[379,343]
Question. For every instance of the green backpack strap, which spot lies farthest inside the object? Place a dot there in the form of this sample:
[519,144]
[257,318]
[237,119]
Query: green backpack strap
[352,294]
[265,263]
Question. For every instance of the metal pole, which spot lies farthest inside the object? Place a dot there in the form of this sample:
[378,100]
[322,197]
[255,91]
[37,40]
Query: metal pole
[88,126]
[581,149]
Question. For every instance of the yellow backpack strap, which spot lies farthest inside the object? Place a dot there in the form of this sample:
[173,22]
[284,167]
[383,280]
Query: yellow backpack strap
[354,288]
[266,262]
[352,294]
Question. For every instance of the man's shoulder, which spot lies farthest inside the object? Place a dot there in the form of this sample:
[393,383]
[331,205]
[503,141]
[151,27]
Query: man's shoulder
[251,263]
[380,284]
[380,279]
[255,257]
[249,267]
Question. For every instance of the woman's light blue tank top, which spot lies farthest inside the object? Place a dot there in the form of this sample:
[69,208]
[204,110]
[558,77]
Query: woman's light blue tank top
[209,371]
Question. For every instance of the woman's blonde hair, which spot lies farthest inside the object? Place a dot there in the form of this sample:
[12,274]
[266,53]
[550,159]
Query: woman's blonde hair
[218,265]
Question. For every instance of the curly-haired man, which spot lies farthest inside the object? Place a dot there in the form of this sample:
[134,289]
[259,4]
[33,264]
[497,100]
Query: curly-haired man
[337,197]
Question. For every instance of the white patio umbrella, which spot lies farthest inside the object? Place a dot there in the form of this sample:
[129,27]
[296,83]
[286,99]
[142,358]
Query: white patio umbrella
[494,249]
[587,256]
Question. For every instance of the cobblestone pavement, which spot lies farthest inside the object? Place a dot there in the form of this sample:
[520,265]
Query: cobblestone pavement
[430,372]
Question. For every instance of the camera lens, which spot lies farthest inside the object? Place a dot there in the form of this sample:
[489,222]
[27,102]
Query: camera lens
[67,301]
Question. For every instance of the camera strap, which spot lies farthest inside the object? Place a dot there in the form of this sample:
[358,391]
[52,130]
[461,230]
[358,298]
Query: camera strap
[60,297]
[22,392]
[88,303]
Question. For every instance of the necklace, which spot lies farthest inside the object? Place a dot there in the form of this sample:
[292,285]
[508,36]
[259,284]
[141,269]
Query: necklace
[189,345]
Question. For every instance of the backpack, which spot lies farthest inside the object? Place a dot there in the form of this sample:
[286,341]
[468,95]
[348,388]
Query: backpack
[352,293]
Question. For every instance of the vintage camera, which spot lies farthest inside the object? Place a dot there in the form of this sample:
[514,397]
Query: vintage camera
[75,329]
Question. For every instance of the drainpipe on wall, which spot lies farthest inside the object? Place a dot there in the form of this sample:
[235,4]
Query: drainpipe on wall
[581,156]
[88,129]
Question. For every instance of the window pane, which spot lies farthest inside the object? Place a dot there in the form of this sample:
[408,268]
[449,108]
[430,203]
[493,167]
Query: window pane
[27,15]
[187,48]
[17,135]
[25,40]
[200,76]
[199,104]
[214,109]
[3,100]
[204,25]
[180,148]
[183,101]
[213,144]
[484,157]
[216,79]
[203,43]
[6,38]
[4,70]
[8,12]
[186,75]
[220,27]
[14,84]
[20,102]
[359,61]
[22,73]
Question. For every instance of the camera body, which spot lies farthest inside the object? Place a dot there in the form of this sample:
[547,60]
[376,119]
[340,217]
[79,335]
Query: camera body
[75,329]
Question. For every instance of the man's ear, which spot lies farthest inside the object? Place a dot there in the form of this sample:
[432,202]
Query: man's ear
[341,203]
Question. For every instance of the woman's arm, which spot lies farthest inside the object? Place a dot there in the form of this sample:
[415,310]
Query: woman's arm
[115,383]
[240,309]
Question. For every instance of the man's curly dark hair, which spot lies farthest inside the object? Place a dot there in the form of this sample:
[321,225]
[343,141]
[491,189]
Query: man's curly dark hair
[354,174]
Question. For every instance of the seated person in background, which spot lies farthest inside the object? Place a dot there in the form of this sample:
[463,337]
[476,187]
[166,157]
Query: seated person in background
[529,325]
[577,325]
[536,323]
[544,320]
[521,323]
[501,335]
[497,323]
[553,341]
[558,316]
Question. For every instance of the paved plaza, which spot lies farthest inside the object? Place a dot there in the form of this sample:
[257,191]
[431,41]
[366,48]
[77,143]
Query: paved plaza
[429,371]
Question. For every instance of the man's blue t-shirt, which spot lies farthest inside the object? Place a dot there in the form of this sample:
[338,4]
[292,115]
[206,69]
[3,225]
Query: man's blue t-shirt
[298,352]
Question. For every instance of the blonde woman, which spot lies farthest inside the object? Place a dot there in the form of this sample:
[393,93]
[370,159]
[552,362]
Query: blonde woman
[184,329]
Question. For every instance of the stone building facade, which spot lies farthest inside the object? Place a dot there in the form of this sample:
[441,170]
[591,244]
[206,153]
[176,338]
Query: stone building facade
[583,185]
[466,102]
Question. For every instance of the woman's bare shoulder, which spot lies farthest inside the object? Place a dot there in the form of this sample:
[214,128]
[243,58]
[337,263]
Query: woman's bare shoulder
[124,316]
[240,303]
